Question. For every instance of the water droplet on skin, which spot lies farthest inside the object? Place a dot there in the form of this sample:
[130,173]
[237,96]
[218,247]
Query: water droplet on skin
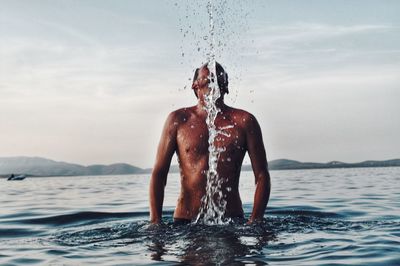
[192,126]
[244,119]
[228,159]
[175,123]
[201,135]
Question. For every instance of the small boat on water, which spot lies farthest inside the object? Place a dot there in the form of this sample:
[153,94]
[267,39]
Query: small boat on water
[16,177]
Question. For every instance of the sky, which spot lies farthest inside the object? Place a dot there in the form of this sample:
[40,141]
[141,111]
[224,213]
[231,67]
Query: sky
[93,81]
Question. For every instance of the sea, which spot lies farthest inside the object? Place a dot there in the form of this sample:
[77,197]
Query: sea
[314,217]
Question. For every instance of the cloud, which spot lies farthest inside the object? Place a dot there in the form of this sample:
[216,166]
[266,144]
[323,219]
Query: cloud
[300,32]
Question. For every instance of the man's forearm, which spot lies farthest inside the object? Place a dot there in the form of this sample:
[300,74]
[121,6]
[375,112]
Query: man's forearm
[261,197]
[156,199]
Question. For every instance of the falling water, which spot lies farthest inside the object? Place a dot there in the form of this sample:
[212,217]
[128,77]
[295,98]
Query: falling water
[213,202]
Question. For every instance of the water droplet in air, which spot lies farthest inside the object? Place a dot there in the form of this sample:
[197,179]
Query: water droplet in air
[228,159]
[228,189]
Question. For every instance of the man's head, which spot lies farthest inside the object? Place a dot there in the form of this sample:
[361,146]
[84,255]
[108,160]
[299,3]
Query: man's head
[201,78]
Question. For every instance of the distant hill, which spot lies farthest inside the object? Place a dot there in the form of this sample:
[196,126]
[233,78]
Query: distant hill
[36,166]
[284,164]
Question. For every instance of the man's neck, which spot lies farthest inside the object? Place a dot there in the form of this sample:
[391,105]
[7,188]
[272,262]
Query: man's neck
[201,105]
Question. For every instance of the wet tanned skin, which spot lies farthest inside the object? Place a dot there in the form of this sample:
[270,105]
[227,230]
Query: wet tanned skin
[186,133]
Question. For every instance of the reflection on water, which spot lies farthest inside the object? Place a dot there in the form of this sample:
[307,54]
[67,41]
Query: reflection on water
[190,243]
[233,244]
[194,244]
[315,217]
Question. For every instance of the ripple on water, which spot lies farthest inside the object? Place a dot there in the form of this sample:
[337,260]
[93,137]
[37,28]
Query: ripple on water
[333,225]
[233,242]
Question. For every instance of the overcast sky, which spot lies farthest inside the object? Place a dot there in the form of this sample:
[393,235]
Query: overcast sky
[93,81]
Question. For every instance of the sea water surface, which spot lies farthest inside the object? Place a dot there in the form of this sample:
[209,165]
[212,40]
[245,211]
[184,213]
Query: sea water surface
[314,217]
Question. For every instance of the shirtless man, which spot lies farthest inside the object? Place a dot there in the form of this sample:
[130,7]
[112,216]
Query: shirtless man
[185,132]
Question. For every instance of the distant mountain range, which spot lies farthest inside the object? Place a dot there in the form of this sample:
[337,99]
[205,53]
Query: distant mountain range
[36,166]
[285,164]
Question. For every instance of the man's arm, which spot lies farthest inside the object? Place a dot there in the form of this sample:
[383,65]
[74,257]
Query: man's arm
[256,150]
[166,149]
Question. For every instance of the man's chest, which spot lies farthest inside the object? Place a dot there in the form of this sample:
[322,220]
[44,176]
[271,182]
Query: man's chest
[193,137]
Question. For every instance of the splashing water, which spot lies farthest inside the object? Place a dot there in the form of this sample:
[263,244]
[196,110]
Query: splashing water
[232,39]
[213,203]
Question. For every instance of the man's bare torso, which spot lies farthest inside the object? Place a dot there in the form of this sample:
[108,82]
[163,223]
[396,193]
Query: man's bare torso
[186,134]
[192,152]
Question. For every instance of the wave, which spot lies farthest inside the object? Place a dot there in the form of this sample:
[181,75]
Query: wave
[18,232]
[123,233]
[80,217]
[89,217]
[308,213]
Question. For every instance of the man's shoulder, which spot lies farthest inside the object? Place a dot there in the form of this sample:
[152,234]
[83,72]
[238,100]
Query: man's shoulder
[182,111]
[242,114]
[243,118]
[180,114]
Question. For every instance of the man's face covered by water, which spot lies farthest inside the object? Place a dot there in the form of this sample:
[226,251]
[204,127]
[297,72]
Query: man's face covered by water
[201,79]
